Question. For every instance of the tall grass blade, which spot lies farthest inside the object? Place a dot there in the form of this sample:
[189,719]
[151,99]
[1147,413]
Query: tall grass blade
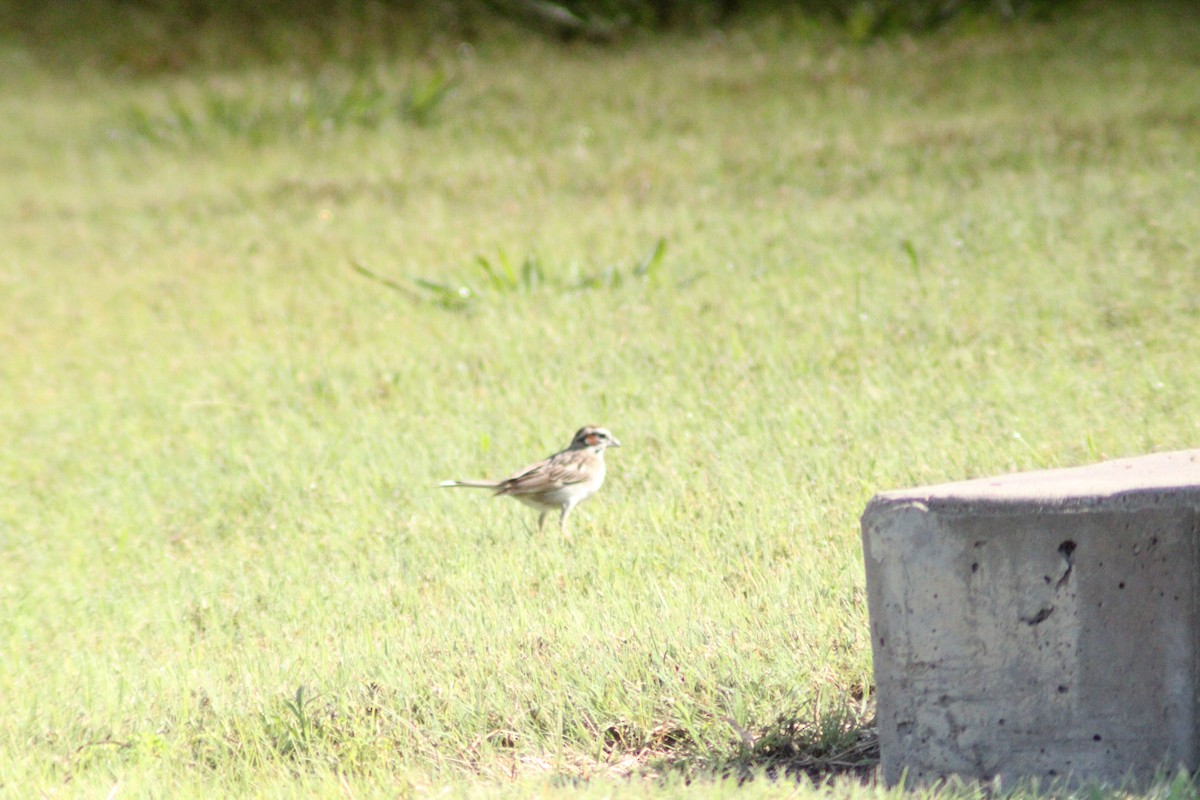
[423,97]
[454,298]
[650,264]
[531,274]
[388,282]
[914,261]
[493,277]
[510,274]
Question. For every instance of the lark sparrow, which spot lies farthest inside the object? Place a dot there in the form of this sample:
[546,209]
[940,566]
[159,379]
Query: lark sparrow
[560,482]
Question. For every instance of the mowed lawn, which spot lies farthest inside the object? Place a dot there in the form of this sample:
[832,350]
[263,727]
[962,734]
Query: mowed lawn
[786,270]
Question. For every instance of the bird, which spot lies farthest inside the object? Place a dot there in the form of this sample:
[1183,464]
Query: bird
[558,483]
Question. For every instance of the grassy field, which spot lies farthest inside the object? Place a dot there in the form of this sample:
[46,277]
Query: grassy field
[787,271]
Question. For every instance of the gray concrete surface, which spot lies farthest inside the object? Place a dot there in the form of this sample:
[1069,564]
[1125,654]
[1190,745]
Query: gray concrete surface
[1042,624]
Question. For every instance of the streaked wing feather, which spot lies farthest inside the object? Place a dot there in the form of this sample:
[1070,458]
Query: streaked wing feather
[561,469]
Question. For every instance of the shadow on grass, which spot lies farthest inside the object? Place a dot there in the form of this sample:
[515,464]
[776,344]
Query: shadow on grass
[818,749]
[817,744]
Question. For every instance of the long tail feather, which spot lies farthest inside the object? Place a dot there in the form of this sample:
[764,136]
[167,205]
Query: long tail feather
[469,484]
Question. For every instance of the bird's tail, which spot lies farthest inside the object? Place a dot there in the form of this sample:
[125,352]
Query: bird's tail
[469,484]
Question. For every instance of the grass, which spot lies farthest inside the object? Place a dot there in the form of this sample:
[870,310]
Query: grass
[224,562]
[262,115]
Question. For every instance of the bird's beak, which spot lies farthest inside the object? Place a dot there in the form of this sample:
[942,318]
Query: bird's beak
[613,442]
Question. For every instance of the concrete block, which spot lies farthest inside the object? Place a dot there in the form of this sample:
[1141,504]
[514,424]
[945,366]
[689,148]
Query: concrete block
[1043,624]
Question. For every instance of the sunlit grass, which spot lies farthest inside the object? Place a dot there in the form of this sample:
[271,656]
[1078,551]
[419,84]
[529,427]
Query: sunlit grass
[786,271]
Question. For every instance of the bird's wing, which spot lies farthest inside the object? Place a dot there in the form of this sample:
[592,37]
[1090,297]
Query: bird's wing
[561,469]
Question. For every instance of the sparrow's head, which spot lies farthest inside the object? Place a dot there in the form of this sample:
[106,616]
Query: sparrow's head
[593,437]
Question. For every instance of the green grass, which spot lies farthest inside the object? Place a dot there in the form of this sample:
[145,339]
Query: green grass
[224,562]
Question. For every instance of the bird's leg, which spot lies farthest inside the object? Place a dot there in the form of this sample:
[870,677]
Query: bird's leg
[562,521]
[542,520]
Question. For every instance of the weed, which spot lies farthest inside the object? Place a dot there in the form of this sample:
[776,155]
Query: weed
[331,102]
[498,277]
